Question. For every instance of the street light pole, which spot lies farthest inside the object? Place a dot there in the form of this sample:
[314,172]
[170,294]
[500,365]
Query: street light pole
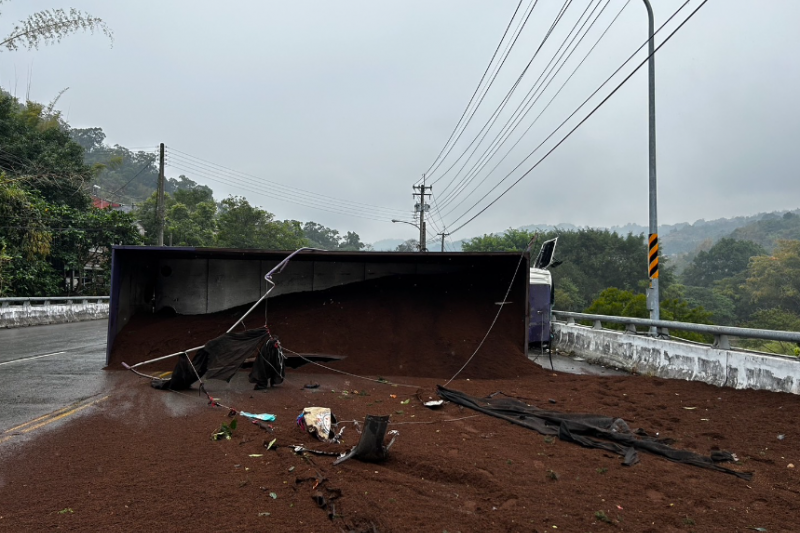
[652,241]
[420,228]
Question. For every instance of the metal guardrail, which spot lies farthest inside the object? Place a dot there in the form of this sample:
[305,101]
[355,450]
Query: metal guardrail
[721,334]
[17,300]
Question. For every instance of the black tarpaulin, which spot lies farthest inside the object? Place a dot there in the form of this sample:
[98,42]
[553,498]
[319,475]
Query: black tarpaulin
[219,359]
[592,431]
[269,368]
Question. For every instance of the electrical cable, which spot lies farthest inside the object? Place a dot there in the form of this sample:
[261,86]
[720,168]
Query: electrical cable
[208,176]
[507,97]
[528,101]
[517,32]
[536,119]
[576,110]
[497,315]
[577,126]
[260,181]
[147,165]
[382,381]
[291,195]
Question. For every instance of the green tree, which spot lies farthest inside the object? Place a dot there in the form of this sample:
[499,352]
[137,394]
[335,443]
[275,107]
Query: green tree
[351,242]
[84,242]
[39,155]
[725,259]
[773,319]
[616,302]
[774,281]
[512,240]
[242,225]
[190,213]
[411,245]
[320,236]
[25,240]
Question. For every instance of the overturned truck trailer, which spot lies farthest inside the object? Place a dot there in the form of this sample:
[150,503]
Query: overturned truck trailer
[382,313]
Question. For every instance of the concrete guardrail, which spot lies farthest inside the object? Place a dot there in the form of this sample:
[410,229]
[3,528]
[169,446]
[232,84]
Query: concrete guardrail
[15,312]
[661,356]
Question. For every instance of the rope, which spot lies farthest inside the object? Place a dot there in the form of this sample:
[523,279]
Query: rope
[382,381]
[505,299]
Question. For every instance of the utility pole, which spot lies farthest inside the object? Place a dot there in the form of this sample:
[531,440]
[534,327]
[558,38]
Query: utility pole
[652,241]
[421,207]
[160,197]
[443,234]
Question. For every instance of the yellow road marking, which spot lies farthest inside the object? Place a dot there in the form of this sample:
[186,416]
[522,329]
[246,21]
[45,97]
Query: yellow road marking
[29,422]
[50,418]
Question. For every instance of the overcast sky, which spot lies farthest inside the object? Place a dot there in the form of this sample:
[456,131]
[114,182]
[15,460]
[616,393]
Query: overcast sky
[353,100]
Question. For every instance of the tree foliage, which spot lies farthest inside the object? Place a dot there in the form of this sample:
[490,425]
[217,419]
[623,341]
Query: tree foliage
[774,281]
[725,259]
[320,236]
[241,225]
[411,245]
[38,154]
[592,260]
[616,302]
[48,225]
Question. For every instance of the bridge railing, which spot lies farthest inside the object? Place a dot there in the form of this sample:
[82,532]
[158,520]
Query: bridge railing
[46,300]
[722,334]
[22,311]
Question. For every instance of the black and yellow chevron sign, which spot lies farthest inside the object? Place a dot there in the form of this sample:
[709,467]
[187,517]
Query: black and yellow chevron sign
[653,256]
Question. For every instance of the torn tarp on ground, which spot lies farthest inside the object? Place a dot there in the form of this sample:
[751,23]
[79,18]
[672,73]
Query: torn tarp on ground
[220,358]
[586,430]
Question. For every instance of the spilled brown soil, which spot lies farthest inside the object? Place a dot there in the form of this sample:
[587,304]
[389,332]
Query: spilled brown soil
[143,460]
[380,325]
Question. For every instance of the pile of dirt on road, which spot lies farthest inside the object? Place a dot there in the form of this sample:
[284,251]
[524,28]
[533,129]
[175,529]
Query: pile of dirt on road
[144,460]
[400,326]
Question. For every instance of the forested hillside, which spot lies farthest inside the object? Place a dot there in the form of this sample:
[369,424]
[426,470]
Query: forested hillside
[54,242]
[734,282]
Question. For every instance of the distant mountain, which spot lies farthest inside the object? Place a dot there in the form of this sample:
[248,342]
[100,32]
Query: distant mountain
[682,240]
[386,245]
[770,229]
[707,233]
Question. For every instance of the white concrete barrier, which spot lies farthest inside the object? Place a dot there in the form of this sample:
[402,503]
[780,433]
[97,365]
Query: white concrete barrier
[673,359]
[16,312]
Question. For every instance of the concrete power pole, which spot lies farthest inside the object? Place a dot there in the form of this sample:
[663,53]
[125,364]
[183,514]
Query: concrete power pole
[421,208]
[160,213]
[443,235]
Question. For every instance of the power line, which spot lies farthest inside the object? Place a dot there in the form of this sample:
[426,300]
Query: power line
[207,175]
[536,119]
[146,166]
[288,197]
[527,103]
[582,121]
[571,115]
[477,88]
[507,97]
[259,181]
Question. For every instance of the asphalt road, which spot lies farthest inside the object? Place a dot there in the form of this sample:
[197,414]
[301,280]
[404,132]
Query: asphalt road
[45,368]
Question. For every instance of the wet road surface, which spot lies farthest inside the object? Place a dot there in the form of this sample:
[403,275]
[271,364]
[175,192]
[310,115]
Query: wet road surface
[570,365]
[46,368]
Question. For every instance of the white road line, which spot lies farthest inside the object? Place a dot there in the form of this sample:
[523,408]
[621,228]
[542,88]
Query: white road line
[30,358]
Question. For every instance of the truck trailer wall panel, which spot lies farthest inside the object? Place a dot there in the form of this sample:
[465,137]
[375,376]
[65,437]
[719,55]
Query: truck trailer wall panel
[183,286]
[196,281]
